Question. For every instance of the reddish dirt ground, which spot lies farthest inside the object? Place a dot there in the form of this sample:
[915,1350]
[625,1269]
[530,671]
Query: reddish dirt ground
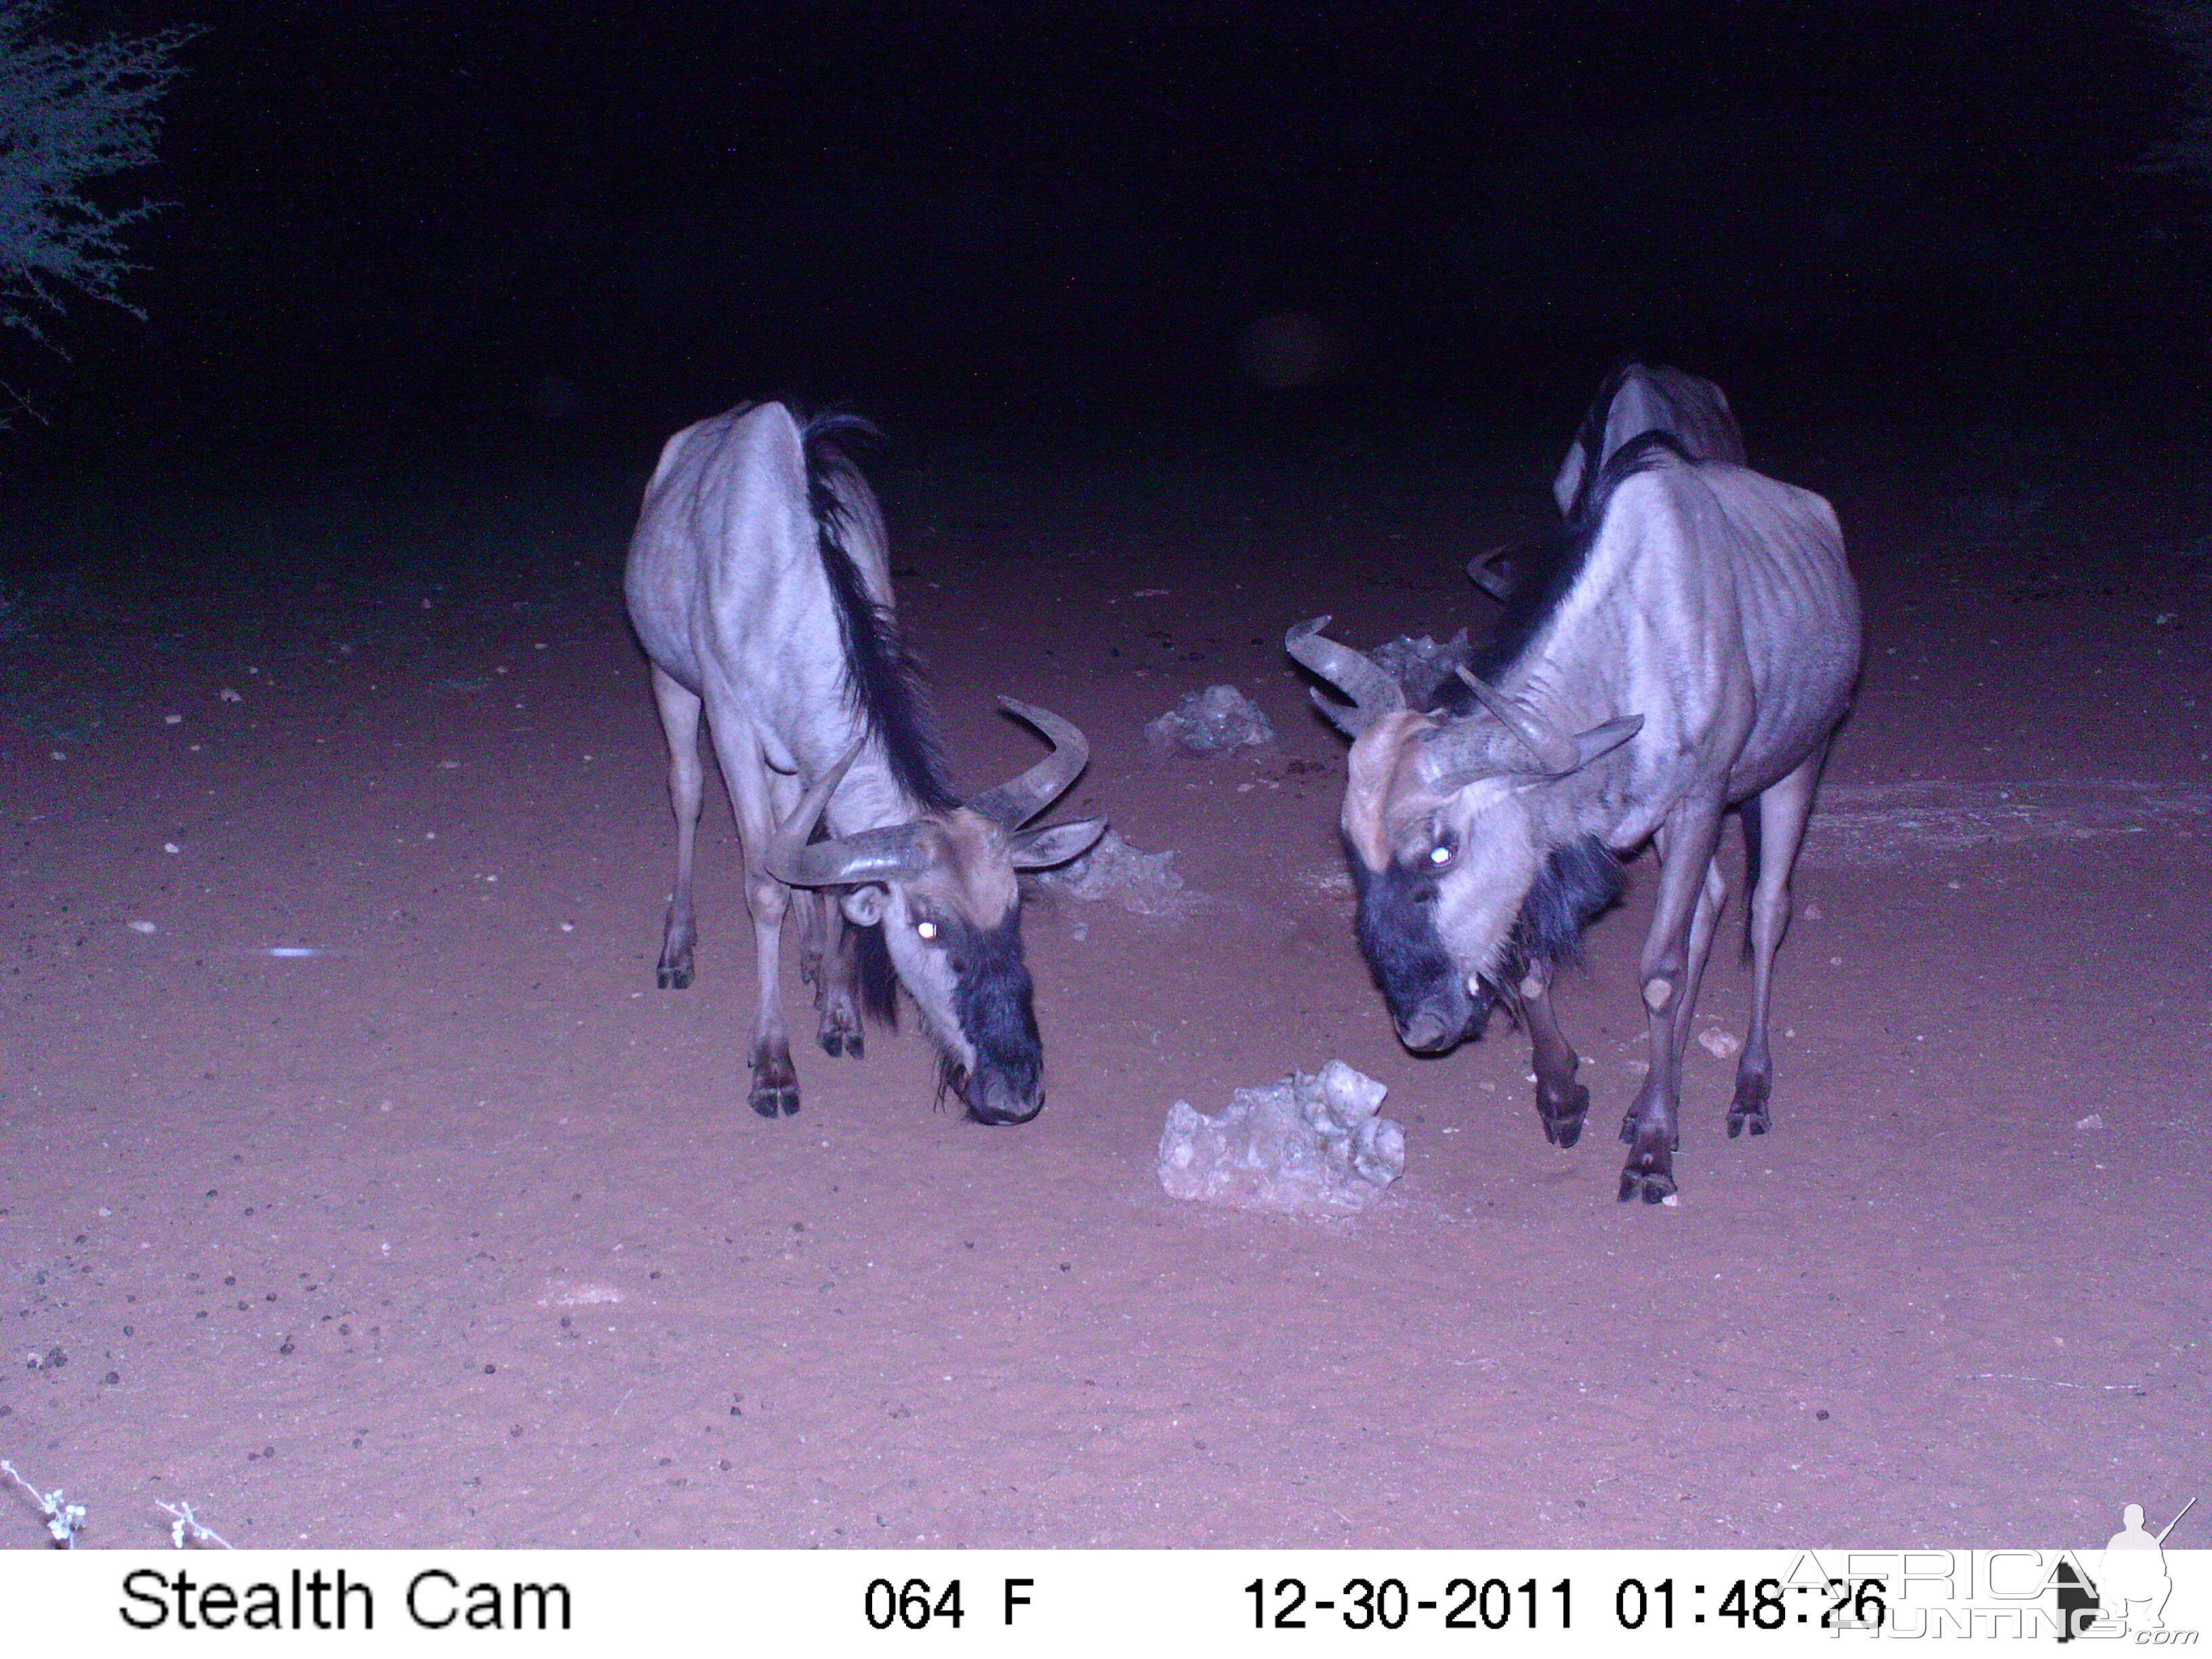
[458,1233]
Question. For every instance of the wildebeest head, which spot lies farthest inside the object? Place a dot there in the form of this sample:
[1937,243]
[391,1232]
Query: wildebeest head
[1440,831]
[944,889]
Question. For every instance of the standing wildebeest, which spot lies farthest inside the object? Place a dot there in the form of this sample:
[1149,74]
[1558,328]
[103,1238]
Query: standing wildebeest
[1631,401]
[1690,645]
[759,586]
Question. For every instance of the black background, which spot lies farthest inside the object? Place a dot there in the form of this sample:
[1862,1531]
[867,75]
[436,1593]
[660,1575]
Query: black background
[561,223]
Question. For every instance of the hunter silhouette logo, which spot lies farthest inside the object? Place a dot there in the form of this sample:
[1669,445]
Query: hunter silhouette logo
[2130,1589]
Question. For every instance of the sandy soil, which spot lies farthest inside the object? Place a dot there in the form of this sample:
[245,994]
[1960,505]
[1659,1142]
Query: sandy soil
[455,1232]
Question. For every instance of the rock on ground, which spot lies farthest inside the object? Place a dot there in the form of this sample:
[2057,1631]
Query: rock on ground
[1421,666]
[1214,721]
[1307,1144]
[1145,883]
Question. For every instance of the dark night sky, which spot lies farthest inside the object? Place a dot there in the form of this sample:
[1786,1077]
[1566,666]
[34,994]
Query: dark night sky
[450,215]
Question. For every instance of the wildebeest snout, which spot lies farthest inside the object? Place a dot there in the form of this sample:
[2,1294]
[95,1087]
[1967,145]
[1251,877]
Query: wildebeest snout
[1446,1018]
[1426,1032]
[995,1099]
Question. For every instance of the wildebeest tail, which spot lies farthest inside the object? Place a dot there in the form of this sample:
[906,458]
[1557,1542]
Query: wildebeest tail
[881,675]
[1750,812]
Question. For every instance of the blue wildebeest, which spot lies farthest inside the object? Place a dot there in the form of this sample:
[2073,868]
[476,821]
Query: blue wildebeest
[1689,644]
[759,586]
[1631,401]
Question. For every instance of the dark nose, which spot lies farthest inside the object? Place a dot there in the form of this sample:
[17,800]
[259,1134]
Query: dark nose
[1426,1033]
[995,1100]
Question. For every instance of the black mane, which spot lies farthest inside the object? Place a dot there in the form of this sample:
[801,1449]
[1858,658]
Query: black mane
[882,678]
[1580,880]
[1545,570]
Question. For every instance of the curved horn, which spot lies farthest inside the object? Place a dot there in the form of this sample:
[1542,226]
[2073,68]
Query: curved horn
[1464,751]
[1373,693]
[1555,753]
[887,854]
[1479,573]
[1345,719]
[1014,803]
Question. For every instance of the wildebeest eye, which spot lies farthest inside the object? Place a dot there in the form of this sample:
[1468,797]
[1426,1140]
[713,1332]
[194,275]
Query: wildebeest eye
[1440,855]
[926,930]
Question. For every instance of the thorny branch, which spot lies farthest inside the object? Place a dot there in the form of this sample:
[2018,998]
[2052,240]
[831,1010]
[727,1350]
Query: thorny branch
[72,115]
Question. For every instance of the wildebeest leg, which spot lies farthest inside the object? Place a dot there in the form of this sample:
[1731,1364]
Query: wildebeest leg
[1686,850]
[831,944]
[812,935]
[825,956]
[1561,1102]
[1711,899]
[679,720]
[775,1081]
[1782,810]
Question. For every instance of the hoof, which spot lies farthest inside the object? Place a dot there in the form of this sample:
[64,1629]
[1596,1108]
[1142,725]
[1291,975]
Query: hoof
[774,1103]
[1562,1113]
[1649,1173]
[840,1032]
[1653,1188]
[673,976]
[775,1092]
[1748,1112]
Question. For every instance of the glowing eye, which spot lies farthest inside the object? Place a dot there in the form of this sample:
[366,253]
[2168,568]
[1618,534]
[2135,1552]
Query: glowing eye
[926,929]
[1440,855]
